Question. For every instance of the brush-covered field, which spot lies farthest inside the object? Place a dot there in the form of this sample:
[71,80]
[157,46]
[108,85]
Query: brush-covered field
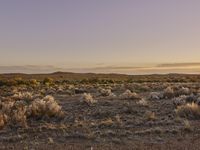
[99,111]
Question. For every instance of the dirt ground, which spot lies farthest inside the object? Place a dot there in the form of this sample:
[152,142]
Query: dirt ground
[111,122]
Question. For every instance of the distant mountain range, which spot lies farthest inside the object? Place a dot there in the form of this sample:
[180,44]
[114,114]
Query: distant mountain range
[193,68]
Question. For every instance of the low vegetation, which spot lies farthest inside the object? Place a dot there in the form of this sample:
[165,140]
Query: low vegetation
[21,106]
[189,110]
[117,110]
[88,99]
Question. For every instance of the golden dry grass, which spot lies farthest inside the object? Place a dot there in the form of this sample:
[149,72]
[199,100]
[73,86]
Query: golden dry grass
[190,110]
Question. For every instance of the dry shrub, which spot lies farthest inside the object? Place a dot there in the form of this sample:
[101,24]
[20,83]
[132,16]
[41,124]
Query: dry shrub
[151,116]
[187,126]
[50,91]
[156,95]
[45,107]
[50,140]
[168,92]
[34,82]
[70,87]
[19,114]
[23,96]
[52,107]
[6,105]
[106,92]
[190,110]
[183,91]
[16,112]
[13,112]
[87,98]
[142,102]
[107,122]
[37,108]
[129,95]
[118,119]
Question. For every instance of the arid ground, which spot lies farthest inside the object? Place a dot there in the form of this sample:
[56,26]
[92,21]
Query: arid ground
[99,111]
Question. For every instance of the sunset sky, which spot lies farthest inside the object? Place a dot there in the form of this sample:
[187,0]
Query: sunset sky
[100,34]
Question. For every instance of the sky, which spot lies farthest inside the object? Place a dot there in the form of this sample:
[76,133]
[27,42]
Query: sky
[99,33]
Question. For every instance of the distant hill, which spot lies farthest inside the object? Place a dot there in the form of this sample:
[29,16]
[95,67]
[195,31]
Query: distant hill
[81,76]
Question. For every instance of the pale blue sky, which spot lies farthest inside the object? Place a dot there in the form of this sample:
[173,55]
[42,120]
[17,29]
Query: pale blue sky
[76,33]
